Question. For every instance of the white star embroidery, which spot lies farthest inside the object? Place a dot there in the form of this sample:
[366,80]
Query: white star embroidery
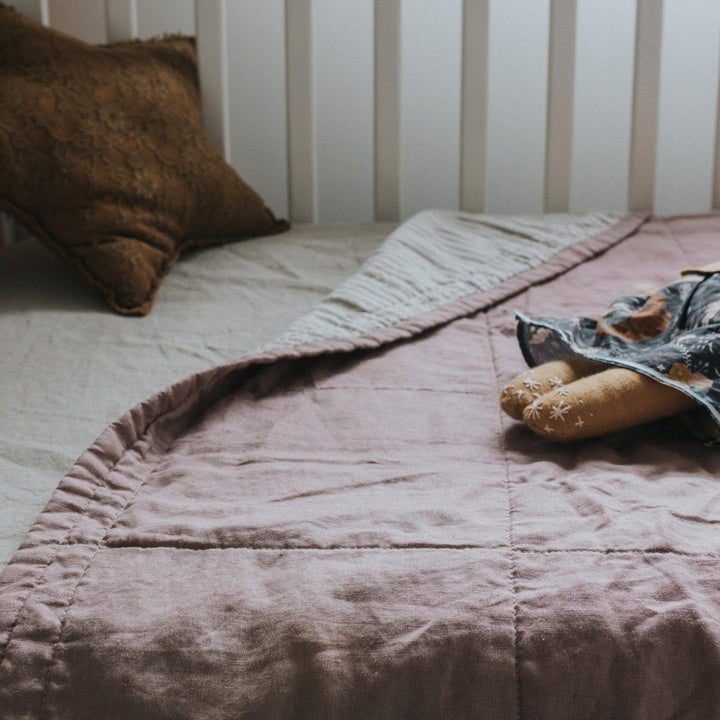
[531,384]
[520,394]
[556,382]
[533,410]
[558,412]
[548,430]
[562,390]
[579,422]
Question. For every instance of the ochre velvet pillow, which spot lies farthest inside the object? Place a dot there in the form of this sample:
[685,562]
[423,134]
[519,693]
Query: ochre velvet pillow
[104,158]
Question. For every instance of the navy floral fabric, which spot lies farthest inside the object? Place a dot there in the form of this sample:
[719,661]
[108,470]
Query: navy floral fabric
[672,335]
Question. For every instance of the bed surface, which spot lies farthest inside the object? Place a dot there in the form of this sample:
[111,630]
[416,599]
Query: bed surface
[351,528]
[69,367]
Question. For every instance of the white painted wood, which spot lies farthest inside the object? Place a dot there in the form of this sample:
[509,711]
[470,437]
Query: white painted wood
[157,17]
[122,20]
[561,88]
[211,26]
[301,155]
[36,9]
[687,110]
[430,69]
[84,19]
[343,91]
[716,166]
[517,103]
[474,105]
[257,97]
[387,110]
[648,36]
[602,120]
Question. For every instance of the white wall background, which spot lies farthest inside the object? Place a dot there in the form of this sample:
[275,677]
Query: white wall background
[355,110]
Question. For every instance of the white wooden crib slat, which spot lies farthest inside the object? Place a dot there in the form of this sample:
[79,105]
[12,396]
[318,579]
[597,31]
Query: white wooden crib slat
[157,17]
[38,10]
[648,38]
[121,17]
[258,101]
[430,68]
[687,111]
[85,19]
[343,96]
[387,110]
[474,105]
[517,105]
[561,86]
[301,155]
[211,31]
[602,118]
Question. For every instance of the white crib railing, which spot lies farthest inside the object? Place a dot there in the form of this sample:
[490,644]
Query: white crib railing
[356,110]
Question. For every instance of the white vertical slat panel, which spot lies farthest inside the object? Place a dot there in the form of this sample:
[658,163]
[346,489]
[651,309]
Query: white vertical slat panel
[430,100]
[648,36]
[122,20]
[387,110]
[517,105]
[156,17]
[301,155]
[716,165]
[687,110]
[258,102]
[85,19]
[38,10]
[561,87]
[604,68]
[211,29]
[474,105]
[343,35]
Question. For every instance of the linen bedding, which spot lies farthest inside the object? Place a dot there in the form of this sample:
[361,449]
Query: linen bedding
[344,525]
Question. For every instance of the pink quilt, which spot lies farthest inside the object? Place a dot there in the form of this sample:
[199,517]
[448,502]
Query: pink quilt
[352,529]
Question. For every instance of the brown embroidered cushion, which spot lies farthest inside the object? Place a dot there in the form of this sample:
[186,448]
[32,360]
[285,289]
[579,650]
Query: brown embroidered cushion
[103,157]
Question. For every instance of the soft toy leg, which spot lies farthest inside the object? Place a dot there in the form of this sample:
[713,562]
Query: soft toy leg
[614,399]
[532,384]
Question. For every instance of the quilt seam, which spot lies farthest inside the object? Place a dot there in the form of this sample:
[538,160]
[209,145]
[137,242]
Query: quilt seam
[101,543]
[62,543]
[510,528]
[210,547]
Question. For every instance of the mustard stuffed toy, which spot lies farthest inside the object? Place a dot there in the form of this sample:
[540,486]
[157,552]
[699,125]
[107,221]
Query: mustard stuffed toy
[647,357]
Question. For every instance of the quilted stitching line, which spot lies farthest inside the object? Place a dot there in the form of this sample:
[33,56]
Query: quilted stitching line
[100,482]
[62,543]
[51,666]
[211,547]
[510,528]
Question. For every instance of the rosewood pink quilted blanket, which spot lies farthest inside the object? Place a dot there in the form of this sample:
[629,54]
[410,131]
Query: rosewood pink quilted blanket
[350,528]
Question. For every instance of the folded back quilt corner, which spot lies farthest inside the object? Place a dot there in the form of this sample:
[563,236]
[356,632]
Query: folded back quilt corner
[345,525]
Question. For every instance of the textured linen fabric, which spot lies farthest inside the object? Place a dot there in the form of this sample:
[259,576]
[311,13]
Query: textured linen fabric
[104,158]
[352,528]
[68,368]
